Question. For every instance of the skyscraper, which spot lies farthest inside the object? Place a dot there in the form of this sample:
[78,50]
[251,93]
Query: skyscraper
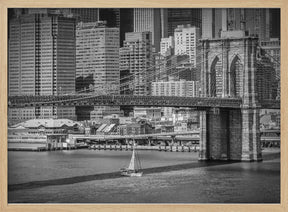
[97,55]
[149,19]
[121,18]
[180,16]
[186,41]
[41,61]
[167,46]
[41,55]
[255,21]
[85,14]
[97,62]
[136,56]
[211,22]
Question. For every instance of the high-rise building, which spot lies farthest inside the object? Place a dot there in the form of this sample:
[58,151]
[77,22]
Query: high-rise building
[41,60]
[181,16]
[275,23]
[121,18]
[97,61]
[126,23]
[85,14]
[80,14]
[186,41]
[261,22]
[211,22]
[136,56]
[149,19]
[273,53]
[111,16]
[176,88]
[41,55]
[167,46]
[181,88]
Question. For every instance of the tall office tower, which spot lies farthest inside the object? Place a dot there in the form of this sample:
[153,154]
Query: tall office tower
[211,22]
[126,23]
[121,18]
[261,22]
[41,55]
[80,14]
[255,21]
[111,16]
[182,16]
[136,56]
[41,58]
[149,19]
[186,41]
[275,23]
[85,14]
[167,46]
[97,61]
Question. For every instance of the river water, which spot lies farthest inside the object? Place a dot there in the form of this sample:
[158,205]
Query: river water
[87,176]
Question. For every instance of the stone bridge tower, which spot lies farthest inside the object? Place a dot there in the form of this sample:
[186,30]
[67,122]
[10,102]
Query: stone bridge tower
[229,71]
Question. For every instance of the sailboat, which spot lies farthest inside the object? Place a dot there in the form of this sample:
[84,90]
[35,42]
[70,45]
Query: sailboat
[134,168]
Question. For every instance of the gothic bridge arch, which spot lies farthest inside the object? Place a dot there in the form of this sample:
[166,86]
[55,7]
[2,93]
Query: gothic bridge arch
[229,71]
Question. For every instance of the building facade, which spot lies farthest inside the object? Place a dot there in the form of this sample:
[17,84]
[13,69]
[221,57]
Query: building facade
[273,52]
[167,46]
[41,61]
[97,61]
[181,16]
[186,41]
[149,19]
[181,88]
[136,56]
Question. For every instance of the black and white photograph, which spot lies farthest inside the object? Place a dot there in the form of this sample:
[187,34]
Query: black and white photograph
[143,105]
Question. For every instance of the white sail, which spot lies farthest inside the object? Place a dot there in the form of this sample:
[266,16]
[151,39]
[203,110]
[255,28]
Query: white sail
[132,161]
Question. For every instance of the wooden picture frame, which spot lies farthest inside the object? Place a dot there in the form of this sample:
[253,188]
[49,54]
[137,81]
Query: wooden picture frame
[5,4]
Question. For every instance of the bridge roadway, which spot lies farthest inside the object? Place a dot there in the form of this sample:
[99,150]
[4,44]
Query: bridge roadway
[141,136]
[130,100]
[123,100]
[195,136]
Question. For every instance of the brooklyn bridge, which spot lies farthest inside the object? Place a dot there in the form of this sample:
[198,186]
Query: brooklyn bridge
[232,93]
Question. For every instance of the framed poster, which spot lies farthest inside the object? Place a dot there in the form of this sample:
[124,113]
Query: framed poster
[188,92]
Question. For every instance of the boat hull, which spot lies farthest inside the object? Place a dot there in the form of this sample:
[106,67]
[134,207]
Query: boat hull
[131,174]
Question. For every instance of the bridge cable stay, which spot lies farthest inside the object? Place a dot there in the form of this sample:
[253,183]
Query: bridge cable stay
[85,97]
[180,62]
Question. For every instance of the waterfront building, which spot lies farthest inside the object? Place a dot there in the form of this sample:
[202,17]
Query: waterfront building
[185,119]
[97,61]
[41,61]
[136,56]
[42,134]
[152,114]
[149,19]
[186,41]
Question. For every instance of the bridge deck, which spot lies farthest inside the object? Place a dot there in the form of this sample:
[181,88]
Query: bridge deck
[130,100]
[123,100]
[143,136]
